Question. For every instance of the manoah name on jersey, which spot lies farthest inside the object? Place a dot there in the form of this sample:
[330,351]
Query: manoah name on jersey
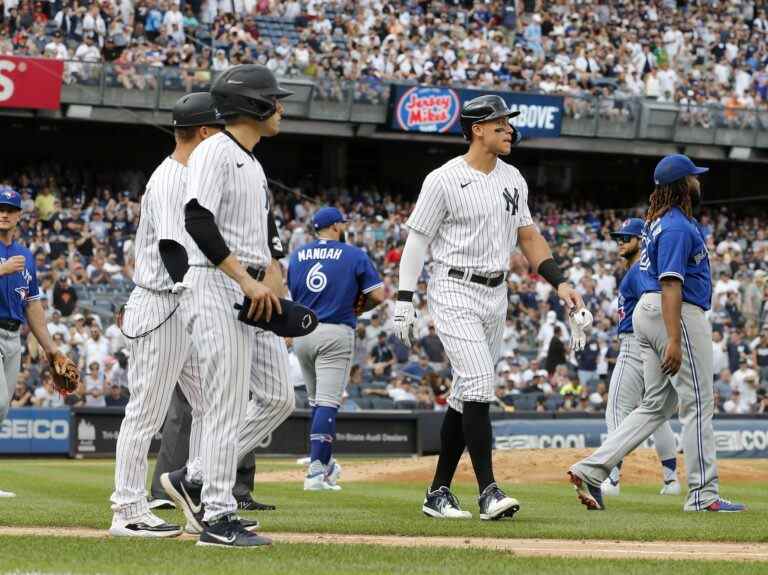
[319,254]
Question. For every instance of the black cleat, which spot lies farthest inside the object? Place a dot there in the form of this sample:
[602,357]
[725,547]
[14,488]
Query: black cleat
[229,532]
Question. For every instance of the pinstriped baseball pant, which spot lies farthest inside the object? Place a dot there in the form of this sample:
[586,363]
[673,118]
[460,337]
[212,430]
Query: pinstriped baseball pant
[469,318]
[157,361]
[234,359]
[626,393]
[690,391]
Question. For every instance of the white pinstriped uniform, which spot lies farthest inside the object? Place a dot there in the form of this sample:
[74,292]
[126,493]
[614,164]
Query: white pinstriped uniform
[229,182]
[472,219]
[163,356]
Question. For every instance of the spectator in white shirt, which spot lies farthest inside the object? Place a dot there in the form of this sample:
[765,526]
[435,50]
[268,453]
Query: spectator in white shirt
[56,47]
[220,62]
[173,16]
[56,326]
[96,347]
[94,386]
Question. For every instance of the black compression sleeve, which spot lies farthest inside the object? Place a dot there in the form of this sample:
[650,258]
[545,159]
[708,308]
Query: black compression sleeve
[174,258]
[201,225]
[550,271]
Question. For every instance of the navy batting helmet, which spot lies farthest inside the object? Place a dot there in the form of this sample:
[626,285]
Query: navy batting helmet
[195,109]
[483,109]
[248,89]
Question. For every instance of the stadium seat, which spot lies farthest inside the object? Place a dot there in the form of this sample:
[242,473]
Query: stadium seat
[406,405]
[381,402]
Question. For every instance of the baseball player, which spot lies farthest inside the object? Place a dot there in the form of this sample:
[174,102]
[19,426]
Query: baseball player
[19,303]
[159,345]
[626,390]
[472,212]
[226,207]
[327,276]
[174,449]
[675,340]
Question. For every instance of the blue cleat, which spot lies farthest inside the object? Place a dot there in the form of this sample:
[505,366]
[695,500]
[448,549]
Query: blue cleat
[725,506]
[590,495]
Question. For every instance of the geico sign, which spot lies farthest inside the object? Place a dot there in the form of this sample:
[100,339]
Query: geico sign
[35,429]
[6,83]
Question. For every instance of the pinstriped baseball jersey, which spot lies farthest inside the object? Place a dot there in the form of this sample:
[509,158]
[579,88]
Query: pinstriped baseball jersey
[162,217]
[227,180]
[472,217]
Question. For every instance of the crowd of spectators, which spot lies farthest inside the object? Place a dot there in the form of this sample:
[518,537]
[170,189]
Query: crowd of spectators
[81,233]
[693,52]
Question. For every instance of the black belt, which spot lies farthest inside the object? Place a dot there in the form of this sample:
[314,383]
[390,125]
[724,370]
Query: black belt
[491,281]
[10,324]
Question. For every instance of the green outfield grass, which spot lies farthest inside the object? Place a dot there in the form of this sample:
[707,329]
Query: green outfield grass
[66,493]
[62,493]
[88,556]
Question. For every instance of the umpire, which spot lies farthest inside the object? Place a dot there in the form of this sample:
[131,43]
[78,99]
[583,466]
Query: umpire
[336,281]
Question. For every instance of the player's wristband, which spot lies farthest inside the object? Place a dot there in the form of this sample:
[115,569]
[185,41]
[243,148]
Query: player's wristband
[550,271]
[404,295]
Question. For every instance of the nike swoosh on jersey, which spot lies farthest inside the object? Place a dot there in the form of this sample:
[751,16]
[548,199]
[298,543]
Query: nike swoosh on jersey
[227,540]
[239,165]
[195,509]
[464,185]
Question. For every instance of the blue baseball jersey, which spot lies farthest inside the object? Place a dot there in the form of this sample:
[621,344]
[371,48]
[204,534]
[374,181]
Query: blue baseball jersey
[629,293]
[17,288]
[673,246]
[326,276]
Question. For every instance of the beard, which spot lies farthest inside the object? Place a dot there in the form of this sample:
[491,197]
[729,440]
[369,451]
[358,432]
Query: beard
[696,203]
[343,237]
[628,255]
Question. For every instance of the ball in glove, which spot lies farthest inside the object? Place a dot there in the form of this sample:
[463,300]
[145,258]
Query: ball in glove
[66,376]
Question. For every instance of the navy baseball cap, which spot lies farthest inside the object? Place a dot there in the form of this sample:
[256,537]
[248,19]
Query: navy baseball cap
[327,216]
[10,197]
[674,167]
[631,227]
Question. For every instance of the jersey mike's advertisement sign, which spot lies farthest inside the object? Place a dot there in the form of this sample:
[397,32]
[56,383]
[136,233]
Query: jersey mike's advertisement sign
[30,83]
[436,110]
[35,431]
[734,438]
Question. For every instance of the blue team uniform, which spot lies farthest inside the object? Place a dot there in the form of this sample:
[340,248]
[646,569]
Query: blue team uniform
[673,246]
[327,275]
[629,293]
[17,288]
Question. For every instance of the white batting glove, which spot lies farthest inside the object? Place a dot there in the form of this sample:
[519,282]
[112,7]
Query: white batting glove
[404,317]
[580,320]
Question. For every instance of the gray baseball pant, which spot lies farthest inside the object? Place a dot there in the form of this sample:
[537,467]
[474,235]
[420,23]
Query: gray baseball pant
[626,393]
[10,364]
[325,357]
[690,391]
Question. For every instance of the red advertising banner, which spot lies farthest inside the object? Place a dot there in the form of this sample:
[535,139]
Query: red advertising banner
[30,82]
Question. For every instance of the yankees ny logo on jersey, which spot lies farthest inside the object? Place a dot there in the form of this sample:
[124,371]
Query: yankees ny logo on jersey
[511,201]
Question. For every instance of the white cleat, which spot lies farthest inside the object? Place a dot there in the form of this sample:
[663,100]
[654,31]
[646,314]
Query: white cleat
[317,482]
[442,504]
[7,493]
[147,525]
[609,488]
[670,488]
[495,505]
[332,472]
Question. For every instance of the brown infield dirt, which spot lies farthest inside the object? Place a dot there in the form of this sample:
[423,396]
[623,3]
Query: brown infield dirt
[523,466]
[510,467]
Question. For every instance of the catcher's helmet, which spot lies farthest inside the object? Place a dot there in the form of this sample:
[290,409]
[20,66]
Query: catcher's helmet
[247,89]
[483,109]
[195,109]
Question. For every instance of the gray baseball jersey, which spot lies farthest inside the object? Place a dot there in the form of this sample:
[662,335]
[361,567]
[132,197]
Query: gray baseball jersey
[227,180]
[472,219]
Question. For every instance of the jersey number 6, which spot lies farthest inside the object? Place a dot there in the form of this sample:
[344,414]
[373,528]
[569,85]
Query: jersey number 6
[316,280]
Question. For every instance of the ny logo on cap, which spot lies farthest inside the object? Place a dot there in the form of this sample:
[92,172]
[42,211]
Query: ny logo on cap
[8,194]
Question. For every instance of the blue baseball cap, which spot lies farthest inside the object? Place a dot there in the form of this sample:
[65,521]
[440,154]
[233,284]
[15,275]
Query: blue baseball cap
[631,227]
[10,197]
[327,216]
[674,167]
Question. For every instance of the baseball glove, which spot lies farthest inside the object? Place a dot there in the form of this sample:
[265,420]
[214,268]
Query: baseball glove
[66,376]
